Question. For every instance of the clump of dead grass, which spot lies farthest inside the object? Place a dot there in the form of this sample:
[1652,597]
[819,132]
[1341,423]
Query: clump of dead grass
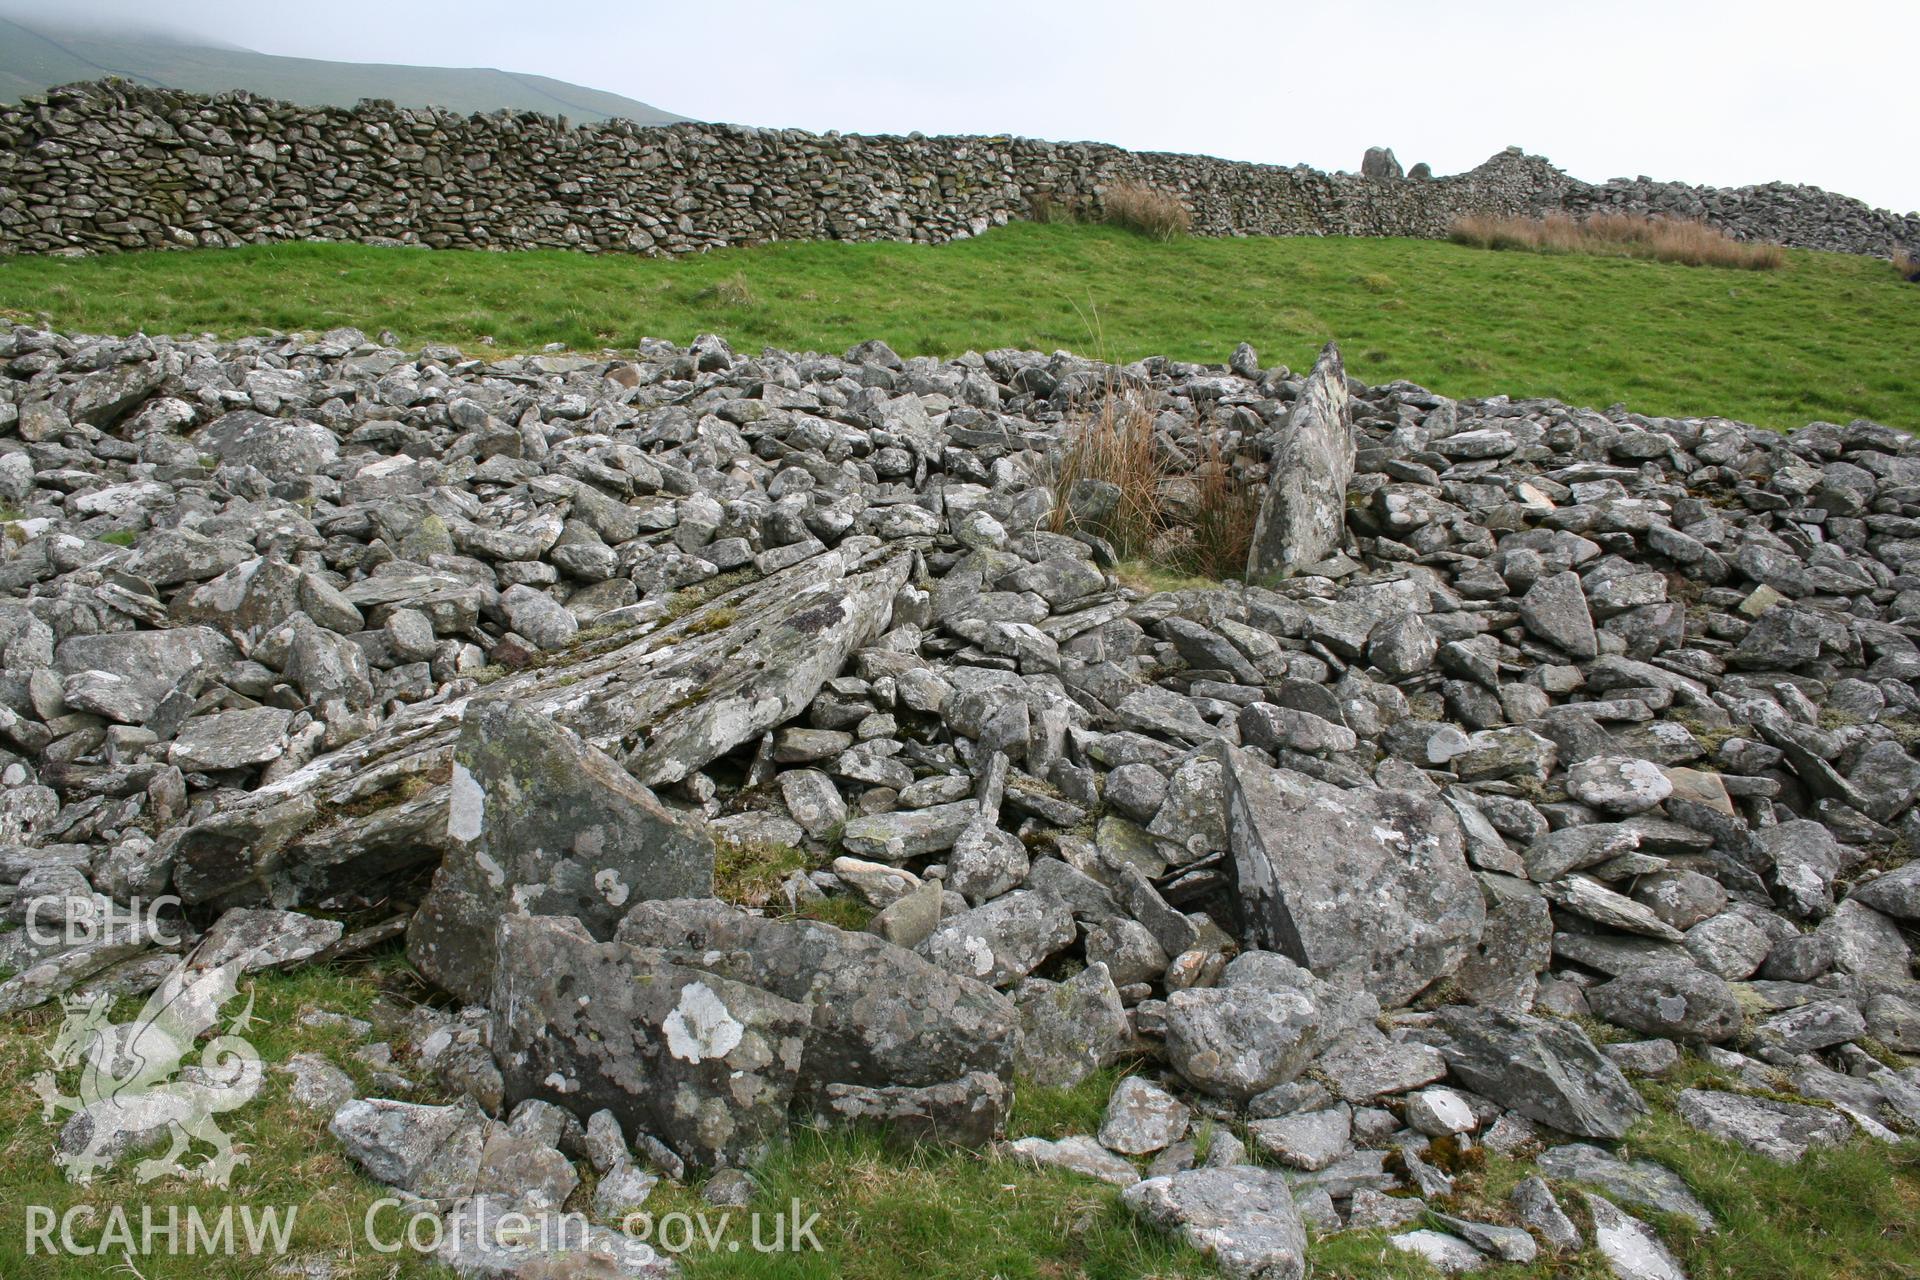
[1619,235]
[1188,514]
[1147,209]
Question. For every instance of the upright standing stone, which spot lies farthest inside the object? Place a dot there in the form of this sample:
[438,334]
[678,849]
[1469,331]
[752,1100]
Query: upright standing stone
[1305,508]
[1380,162]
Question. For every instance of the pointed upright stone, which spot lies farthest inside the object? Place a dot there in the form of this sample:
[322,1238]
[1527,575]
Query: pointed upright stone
[1305,508]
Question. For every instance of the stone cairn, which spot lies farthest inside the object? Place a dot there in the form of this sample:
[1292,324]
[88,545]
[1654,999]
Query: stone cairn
[1528,718]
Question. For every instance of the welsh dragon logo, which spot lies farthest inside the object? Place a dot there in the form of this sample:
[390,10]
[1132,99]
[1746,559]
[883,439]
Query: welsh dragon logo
[127,1096]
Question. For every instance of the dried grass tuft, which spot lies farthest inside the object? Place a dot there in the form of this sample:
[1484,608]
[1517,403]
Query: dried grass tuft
[1148,210]
[1622,235]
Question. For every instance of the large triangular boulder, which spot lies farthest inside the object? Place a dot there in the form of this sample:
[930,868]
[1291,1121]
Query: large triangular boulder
[1367,882]
[540,822]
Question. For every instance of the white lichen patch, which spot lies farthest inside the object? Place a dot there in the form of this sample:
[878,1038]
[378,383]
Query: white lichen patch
[466,806]
[611,887]
[979,955]
[700,1026]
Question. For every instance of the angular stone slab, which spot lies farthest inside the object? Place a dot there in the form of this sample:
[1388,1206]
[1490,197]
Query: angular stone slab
[1780,1131]
[1373,880]
[705,1064]
[1242,1217]
[1304,511]
[375,811]
[879,1015]
[541,822]
[1545,1069]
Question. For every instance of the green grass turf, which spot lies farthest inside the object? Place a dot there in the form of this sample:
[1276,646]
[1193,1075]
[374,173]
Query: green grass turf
[892,1213]
[1828,337]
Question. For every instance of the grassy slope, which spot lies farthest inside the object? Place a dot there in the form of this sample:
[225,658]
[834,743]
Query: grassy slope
[891,1214]
[1828,337]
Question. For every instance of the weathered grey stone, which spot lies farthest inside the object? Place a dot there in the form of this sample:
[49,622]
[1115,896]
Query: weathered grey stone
[706,1064]
[1619,785]
[231,739]
[1680,1002]
[1002,941]
[1363,1065]
[1805,860]
[1376,880]
[1077,1154]
[896,837]
[1508,1244]
[1071,1029]
[317,1084]
[1555,609]
[1585,896]
[1630,1247]
[967,1112]
[539,821]
[1502,969]
[1246,1037]
[1576,848]
[878,1016]
[1780,1131]
[1438,1112]
[1309,1140]
[1867,943]
[1243,1218]
[1449,1255]
[1818,1025]
[432,1152]
[1142,1118]
[1896,893]
[773,674]
[1638,1183]
[1545,1069]
[1303,512]
[280,448]
[1534,1203]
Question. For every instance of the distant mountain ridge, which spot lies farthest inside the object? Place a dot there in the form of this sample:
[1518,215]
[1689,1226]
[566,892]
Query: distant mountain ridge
[34,57]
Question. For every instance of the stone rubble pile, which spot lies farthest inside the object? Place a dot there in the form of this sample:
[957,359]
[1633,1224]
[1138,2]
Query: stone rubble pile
[1529,719]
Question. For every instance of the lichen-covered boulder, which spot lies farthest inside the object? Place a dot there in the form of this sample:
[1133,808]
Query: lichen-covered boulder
[1373,880]
[705,1064]
[878,1016]
[540,822]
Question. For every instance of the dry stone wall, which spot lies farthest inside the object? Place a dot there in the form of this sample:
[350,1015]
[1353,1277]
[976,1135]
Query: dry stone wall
[110,166]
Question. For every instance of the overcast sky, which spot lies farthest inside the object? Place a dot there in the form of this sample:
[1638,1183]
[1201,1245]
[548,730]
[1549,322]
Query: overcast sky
[1719,93]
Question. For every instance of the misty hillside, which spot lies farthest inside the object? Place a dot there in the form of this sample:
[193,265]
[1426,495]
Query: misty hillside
[34,57]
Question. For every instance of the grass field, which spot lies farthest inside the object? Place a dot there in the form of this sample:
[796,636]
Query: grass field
[888,1213]
[1827,337]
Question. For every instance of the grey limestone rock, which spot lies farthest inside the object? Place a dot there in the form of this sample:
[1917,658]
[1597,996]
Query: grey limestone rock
[1303,512]
[1544,1068]
[540,822]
